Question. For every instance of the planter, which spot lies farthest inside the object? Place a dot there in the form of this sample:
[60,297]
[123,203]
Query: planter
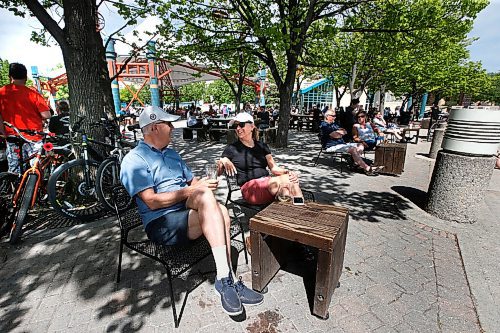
[473,132]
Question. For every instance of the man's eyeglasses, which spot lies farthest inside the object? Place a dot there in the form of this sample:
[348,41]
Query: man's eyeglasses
[331,115]
[240,125]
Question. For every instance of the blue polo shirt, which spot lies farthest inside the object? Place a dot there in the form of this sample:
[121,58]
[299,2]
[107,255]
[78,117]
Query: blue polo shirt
[164,171]
[326,140]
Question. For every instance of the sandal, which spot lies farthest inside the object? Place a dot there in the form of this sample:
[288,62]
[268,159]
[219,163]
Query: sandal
[371,172]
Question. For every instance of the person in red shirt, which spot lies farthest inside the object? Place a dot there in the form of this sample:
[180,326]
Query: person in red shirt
[22,107]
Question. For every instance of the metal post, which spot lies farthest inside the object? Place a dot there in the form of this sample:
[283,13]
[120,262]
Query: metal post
[111,59]
[34,74]
[422,105]
[262,77]
[153,74]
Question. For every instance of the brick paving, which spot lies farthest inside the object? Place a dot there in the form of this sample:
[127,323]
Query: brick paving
[403,270]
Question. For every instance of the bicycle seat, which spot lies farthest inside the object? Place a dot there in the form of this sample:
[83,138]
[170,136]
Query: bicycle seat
[14,139]
[133,127]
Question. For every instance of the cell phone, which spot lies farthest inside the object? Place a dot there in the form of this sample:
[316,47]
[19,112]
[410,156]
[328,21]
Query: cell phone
[299,201]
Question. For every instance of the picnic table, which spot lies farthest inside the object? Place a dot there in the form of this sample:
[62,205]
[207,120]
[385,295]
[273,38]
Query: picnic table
[302,120]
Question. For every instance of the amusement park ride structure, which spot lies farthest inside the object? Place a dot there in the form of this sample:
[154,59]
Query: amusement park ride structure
[163,76]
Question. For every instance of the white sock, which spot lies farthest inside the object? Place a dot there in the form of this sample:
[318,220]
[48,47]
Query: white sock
[221,264]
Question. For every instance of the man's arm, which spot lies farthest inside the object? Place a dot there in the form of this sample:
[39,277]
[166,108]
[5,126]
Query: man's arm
[166,199]
[2,127]
[338,133]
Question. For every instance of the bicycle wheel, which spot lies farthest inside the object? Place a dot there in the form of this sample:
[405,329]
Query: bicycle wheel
[22,208]
[8,186]
[109,188]
[72,193]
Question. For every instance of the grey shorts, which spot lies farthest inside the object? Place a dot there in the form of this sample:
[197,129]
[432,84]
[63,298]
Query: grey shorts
[169,229]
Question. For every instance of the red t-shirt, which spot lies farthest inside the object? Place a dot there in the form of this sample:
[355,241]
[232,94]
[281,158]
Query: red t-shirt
[21,106]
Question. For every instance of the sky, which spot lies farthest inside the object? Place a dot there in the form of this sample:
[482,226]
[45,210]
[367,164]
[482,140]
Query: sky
[15,44]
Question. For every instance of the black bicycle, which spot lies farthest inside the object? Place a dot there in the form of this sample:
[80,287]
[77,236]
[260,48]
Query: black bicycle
[108,186]
[75,189]
[72,186]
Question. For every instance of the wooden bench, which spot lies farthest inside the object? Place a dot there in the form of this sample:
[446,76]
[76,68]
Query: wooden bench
[320,226]
[176,259]
[407,134]
[201,133]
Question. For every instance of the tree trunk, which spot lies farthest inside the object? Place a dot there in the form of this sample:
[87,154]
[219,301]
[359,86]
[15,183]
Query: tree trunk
[382,99]
[84,57]
[237,100]
[284,121]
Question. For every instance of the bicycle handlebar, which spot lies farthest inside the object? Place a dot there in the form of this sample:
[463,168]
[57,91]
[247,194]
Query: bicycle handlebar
[30,132]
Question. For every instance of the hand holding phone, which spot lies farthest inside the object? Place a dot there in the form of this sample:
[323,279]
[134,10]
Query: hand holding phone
[298,201]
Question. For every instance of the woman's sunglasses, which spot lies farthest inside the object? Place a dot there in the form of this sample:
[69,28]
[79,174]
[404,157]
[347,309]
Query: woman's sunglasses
[240,125]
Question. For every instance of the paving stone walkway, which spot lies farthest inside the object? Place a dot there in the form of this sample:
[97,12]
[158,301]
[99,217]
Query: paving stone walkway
[403,271]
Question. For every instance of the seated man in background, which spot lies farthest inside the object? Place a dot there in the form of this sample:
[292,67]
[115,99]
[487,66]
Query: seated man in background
[59,124]
[264,117]
[177,207]
[332,141]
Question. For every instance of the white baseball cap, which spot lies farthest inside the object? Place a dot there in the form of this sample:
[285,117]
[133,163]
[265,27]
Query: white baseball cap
[242,117]
[154,114]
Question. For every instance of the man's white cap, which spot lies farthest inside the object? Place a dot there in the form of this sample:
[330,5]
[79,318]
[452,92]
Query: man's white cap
[242,117]
[154,114]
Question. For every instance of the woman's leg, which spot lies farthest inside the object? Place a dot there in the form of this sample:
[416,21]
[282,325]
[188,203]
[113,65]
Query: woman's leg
[356,156]
[284,181]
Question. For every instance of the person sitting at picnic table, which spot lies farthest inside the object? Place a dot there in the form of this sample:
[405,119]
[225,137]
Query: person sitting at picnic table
[248,159]
[263,115]
[383,127]
[363,132]
[176,207]
[332,141]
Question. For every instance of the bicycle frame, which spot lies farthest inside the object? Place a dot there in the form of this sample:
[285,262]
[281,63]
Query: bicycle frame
[40,164]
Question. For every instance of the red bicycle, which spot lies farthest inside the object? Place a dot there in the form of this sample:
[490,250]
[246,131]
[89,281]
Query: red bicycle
[19,192]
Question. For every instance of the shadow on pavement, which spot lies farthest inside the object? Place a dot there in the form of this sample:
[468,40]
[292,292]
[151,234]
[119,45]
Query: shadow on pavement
[418,197]
[48,270]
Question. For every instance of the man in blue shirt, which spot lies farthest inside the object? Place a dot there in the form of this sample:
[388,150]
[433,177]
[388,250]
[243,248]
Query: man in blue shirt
[332,141]
[176,207]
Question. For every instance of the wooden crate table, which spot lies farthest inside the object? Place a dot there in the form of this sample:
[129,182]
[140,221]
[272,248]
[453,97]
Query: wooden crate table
[392,157]
[321,226]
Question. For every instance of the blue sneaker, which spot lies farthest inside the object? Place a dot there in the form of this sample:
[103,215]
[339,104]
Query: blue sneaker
[229,298]
[247,295]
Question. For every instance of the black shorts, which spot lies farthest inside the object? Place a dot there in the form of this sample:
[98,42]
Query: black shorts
[169,229]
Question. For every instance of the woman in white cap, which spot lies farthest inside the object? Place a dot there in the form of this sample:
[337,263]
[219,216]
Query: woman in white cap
[248,159]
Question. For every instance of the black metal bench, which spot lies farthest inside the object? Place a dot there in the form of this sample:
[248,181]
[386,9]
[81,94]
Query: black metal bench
[176,259]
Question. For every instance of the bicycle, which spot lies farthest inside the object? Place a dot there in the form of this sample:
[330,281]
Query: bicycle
[72,188]
[109,187]
[19,192]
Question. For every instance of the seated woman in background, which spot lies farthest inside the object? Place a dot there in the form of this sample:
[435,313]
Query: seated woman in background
[386,128]
[249,159]
[364,133]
